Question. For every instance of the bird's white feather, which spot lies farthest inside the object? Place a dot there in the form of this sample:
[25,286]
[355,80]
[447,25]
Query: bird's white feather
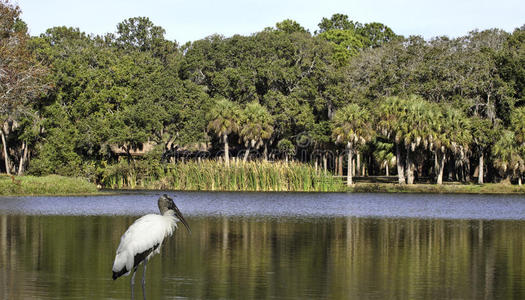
[143,234]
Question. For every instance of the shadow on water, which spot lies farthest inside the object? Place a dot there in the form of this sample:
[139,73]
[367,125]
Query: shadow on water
[262,253]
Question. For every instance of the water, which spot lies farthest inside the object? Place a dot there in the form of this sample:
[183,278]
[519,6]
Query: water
[271,246]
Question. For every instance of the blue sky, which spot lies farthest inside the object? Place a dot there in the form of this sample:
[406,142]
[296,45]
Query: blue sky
[192,20]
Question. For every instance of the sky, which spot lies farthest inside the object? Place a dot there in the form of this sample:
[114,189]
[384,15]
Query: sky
[192,20]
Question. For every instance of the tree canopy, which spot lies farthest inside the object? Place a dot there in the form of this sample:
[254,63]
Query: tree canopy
[73,103]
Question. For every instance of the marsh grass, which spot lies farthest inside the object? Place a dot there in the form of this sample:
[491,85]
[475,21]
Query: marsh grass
[45,185]
[212,175]
[491,188]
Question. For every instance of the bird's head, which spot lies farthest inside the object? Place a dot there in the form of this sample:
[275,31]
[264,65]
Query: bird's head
[167,204]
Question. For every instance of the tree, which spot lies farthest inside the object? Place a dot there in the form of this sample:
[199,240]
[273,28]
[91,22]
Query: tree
[511,63]
[480,83]
[290,26]
[337,21]
[507,156]
[287,148]
[391,113]
[346,43]
[139,33]
[451,133]
[518,126]
[383,153]
[224,119]
[351,126]
[21,75]
[256,126]
[377,34]
[483,137]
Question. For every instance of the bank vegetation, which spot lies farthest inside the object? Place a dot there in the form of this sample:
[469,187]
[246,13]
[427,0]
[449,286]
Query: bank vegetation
[280,109]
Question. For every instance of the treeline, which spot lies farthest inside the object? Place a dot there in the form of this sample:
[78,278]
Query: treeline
[350,95]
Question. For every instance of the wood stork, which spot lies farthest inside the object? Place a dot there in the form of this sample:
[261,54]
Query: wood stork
[143,239]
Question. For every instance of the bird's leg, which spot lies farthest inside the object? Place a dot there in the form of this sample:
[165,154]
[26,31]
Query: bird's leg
[133,282]
[144,280]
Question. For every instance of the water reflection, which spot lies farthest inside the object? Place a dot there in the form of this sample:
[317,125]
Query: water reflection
[70,257]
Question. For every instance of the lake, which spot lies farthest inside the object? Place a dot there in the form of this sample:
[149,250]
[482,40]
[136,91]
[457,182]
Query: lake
[271,246]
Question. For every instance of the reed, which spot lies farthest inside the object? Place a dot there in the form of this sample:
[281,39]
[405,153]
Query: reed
[213,175]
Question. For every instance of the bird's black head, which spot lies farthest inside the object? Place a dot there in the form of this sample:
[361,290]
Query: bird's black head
[167,204]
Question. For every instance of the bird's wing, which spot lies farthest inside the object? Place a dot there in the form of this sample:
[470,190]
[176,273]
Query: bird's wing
[145,233]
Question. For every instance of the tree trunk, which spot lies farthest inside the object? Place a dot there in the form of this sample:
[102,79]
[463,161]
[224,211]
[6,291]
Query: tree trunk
[246,154]
[410,168]
[325,163]
[226,150]
[336,161]
[506,180]
[400,166]
[440,166]
[22,159]
[387,171]
[265,152]
[358,163]
[466,168]
[6,156]
[341,157]
[349,179]
[480,168]
[519,180]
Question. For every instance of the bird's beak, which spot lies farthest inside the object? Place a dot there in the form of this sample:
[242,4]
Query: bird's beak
[179,215]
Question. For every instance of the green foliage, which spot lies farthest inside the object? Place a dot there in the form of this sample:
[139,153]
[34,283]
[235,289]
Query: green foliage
[57,153]
[351,125]
[286,147]
[213,176]
[338,22]
[384,153]
[349,37]
[347,43]
[224,117]
[512,63]
[45,185]
[290,26]
[256,125]
[101,96]
[518,124]
[507,155]
[141,34]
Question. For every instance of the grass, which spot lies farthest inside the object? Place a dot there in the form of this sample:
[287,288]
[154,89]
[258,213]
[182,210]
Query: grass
[212,175]
[45,185]
[490,188]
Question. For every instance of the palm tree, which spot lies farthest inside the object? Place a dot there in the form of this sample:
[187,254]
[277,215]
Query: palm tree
[384,155]
[391,112]
[286,147]
[256,126]
[518,125]
[224,119]
[507,156]
[352,126]
[415,130]
[452,133]
[483,135]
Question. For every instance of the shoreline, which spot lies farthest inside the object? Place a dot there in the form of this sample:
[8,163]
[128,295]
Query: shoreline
[54,185]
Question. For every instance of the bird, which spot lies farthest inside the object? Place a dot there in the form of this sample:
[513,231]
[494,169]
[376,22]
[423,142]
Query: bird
[144,238]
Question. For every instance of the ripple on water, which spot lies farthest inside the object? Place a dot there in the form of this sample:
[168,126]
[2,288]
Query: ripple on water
[301,205]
